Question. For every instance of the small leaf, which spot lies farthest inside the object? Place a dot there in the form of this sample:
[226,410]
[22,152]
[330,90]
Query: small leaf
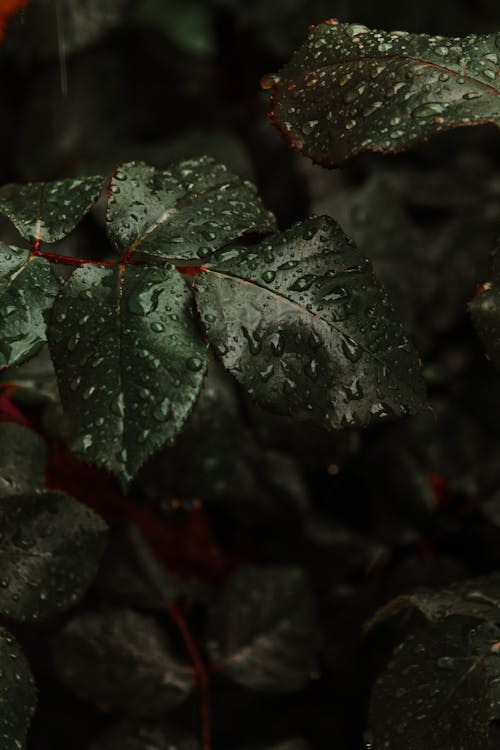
[262,631]
[50,547]
[121,661]
[303,324]
[129,361]
[48,211]
[350,89]
[17,694]
[130,735]
[28,287]
[22,460]
[185,213]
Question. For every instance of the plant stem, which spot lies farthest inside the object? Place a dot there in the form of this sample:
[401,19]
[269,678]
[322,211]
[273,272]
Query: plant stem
[66,260]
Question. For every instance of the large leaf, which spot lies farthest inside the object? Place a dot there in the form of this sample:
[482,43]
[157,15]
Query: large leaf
[186,212]
[17,694]
[129,361]
[262,630]
[28,287]
[50,547]
[349,89]
[303,324]
[485,311]
[130,735]
[22,460]
[121,660]
[48,211]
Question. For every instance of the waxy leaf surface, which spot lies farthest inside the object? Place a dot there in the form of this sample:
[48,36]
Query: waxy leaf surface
[352,89]
[28,287]
[48,211]
[304,325]
[129,360]
[186,212]
[121,660]
[17,694]
[50,547]
[262,630]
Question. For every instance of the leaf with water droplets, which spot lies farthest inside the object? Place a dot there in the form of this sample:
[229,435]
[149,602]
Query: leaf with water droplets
[303,324]
[141,735]
[28,288]
[50,547]
[22,460]
[17,694]
[129,360]
[121,661]
[351,89]
[262,630]
[48,211]
[186,212]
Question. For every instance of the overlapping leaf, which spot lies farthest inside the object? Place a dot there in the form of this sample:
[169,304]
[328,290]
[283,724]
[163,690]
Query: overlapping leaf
[303,324]
[22,460]
[121,660]
[48,211]
[28,287]
[129,361]
[186,212]
[17,694]
[262,630]
[350,89]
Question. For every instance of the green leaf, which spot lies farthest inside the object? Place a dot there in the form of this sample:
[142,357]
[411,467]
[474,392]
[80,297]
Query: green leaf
[185,213]
[485,312]
[121,661]
[17,694]
[262,631]
[50,549]
[28,287]
[130,735]
[303,324]
[350,89]
[188,25]
[22,460]
[48,211]
[129,361]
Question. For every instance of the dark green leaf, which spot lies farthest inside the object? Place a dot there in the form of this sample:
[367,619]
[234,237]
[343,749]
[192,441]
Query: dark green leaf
[262,630]
[349,89]
[22,460]
[17,694]
[485,311]
[440,690]
[121,660]
[186,212]
[302,322]
[48,211]
[49,552]
[129,361]
[27,290]
[129,735]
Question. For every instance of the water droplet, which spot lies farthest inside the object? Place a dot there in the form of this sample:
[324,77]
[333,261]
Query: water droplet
[428,110]
[267,277]
[194,364]
[157,327]
[162,410]
[351,349]
[309,126]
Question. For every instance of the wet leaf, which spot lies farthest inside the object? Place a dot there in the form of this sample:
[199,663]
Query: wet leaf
[17,693]
[130,735]
[22,460]
[262,630]
[303,324]
[129,361]
[485,312]
[48,211]
[350,89]
[186,212]
[50,547]
[28,287]
[121,660]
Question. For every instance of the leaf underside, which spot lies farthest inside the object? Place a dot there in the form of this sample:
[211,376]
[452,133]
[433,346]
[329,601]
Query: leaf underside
[303,324]
[17,693]
[351,89]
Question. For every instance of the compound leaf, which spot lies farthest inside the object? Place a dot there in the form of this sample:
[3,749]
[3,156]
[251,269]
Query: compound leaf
[262,630]
[17,693]
[129,361]
[350,89]
[303,324]
[121,660]
[185,212]
[48,211]
[50,548]
[28,287]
